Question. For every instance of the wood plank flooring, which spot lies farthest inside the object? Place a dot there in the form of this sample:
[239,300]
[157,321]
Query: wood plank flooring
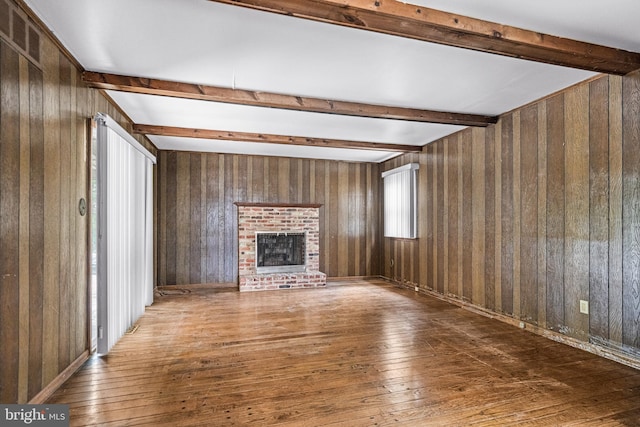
[357,353]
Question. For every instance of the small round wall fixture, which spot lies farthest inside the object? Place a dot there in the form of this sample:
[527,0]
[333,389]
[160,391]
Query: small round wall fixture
[82,206]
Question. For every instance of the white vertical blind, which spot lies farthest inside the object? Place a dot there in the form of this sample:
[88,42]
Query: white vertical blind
[148,248]
[125,241]
[400,201]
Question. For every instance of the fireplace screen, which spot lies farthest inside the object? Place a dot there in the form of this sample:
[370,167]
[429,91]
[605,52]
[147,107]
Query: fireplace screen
[280,252]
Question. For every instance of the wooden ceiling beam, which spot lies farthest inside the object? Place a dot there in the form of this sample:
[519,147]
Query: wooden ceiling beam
[430,25]
[270,139]
[273,100]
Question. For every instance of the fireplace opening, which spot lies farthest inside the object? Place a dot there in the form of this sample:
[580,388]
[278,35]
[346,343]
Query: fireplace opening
[280,252]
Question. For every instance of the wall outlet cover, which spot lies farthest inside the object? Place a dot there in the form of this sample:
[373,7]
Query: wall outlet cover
[584,306]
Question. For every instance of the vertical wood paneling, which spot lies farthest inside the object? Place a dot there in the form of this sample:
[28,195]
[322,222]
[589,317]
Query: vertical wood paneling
[283,179]
[364,249]
[559,209]
[342,239]
[428,216]
[36,232]
[23,239]
[356,202]
[423,228]
[413,273]
[555,212]
[228,225]
[490,219]
[269,186]
[293,179]
[458,197]
[615,209]
[542,214]
[195,257]
[65,209]
[369,229]
[576,277]
[326,237]
[467,215]
[433,216]
[631,211]
[212,241]
[599,208]
[201,225]
[52,216]
[240,193]
[9,223]
[375,226]
[81,241]
[529,214]
[249,180]
[445,229]
[256,185]
[310,177]
[319,196]
[332,182]
[161,234]
[517,219]
[183,211]
[170,196]
[439,155]
[478,216]
[43,239]
[498,220]
[75,193]
[218,178]
[204,226]
[506,286]
[306,187]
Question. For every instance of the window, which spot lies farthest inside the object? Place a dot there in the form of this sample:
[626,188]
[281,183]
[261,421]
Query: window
[124,241]
[400,201]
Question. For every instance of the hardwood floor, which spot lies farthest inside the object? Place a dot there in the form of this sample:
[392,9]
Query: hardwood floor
[361,353]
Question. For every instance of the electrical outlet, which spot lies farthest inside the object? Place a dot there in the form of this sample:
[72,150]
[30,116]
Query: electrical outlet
[584,306]
[416,288]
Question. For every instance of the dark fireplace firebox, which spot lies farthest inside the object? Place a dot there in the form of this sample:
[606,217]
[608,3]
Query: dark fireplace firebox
[280,252]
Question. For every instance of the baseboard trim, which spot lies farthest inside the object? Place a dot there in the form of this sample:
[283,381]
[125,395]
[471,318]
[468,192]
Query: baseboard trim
[54,385]
[599,350]
[337,279]
[229,285]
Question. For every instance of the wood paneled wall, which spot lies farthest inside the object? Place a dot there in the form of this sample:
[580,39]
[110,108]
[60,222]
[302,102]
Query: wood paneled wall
[44,110]
[197,232]
[531,215]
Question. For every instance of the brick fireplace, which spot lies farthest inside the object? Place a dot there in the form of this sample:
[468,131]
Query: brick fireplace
[279,220]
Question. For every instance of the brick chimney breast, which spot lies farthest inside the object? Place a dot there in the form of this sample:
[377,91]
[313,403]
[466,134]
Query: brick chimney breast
[278,218]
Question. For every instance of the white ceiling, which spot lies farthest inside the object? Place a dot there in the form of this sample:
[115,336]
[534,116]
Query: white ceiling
[204,42]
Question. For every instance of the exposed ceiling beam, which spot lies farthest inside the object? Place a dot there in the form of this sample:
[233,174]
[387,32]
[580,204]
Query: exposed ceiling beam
[421,23]
[270,139]
[274,100]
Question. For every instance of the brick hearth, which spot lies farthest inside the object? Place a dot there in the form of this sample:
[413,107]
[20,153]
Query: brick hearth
[259,217]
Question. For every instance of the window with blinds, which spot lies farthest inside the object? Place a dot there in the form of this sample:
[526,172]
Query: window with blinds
[124,231]
[400,201]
